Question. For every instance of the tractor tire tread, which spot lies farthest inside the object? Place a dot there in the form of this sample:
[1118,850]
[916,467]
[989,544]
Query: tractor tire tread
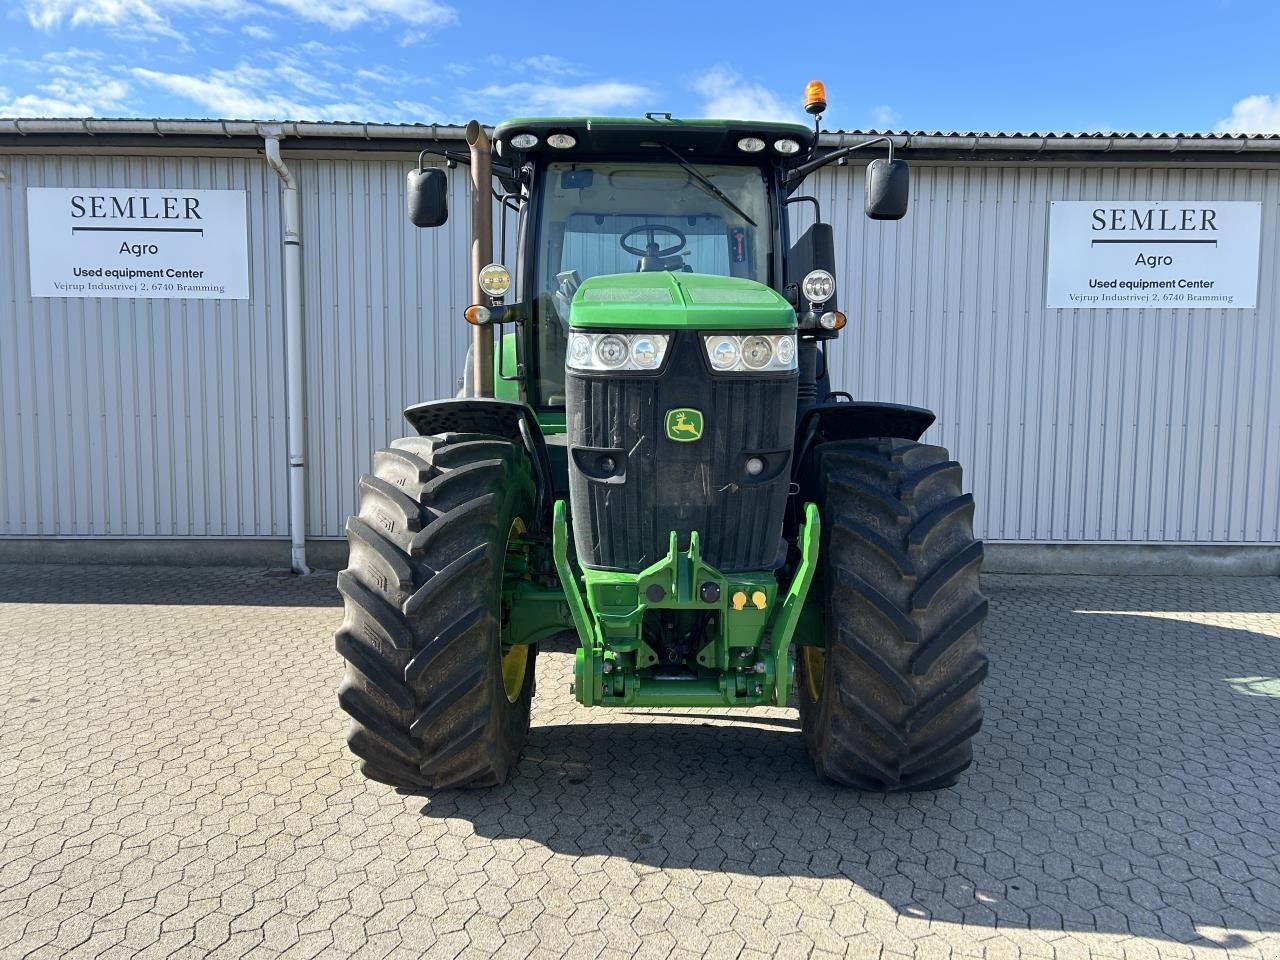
[897,706]
[423,688]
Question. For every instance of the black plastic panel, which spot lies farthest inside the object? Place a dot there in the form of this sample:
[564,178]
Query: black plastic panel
[625,524]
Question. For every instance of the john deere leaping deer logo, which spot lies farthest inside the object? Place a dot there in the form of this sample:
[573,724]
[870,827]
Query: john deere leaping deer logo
[684,424]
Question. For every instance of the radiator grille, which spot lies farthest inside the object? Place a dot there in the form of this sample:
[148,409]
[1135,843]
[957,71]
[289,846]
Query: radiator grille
[625,524]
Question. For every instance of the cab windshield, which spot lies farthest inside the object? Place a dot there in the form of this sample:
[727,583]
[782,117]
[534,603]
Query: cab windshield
[601,218]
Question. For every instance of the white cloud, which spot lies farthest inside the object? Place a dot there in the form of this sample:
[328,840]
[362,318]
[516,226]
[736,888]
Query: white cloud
[51,105]
[557,98]
[153,16]
[71,84]
[549,65]
[345,14]
[1259,113]
[243,93]
[728,96]
[148,16]
[884,117]
[257,31]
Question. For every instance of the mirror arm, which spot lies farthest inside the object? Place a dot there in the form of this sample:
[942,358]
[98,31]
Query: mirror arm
[817,210]
[796,174]
[451,160]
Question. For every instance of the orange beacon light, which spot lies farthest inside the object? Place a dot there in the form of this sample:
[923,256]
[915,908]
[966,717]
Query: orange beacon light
[815,97]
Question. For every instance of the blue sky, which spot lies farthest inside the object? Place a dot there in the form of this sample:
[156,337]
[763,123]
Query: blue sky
[1187,66]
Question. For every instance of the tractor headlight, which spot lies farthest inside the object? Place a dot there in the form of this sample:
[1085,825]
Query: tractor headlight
[611,351]
[724,352]
[524,141]
[784,351]
[763,353]
[616,351]
[494,280]
[818,286]
[644,352]
[757,352]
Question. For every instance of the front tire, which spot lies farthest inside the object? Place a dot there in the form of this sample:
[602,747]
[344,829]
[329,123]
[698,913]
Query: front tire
[890,702]
[433,698]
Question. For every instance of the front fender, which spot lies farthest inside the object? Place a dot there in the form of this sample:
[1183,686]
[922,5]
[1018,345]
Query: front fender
[826,422]
[498,418]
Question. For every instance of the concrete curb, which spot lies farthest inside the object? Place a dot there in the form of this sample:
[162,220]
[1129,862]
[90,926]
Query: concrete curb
[1093,559]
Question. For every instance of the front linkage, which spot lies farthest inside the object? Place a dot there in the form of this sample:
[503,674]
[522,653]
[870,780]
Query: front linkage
[738,628]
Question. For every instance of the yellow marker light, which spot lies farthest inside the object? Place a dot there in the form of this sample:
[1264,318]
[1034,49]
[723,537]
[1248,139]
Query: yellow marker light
[477,314]
[739,600]
[759,598]
[815,97]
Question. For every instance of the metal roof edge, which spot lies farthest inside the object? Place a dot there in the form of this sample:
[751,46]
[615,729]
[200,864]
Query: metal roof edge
[954,142]
[90,126]
[1042,143]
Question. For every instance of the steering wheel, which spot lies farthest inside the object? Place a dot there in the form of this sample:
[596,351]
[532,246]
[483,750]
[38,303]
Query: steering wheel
[651,248]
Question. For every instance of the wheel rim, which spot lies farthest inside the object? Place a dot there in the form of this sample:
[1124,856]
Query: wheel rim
[815,670]
[515,660]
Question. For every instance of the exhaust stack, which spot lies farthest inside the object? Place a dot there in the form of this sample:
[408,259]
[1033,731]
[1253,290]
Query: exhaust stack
[481,251]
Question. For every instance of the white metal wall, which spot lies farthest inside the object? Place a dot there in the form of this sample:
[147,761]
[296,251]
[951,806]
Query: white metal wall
[166,418]
[1073,425]
[141,418]
[384,325]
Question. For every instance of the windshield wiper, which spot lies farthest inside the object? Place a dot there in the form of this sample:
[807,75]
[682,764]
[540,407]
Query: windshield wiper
[706,183]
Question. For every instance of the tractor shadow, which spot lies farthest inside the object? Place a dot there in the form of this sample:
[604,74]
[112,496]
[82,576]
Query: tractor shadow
[239,586]
[1127,779]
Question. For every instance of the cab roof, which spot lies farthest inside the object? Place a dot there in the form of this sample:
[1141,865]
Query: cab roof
[622,135]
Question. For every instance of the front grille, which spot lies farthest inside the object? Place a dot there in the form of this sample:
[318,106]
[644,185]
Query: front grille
[624,522]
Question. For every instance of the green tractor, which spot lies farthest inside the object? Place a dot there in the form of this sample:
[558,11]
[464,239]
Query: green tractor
[650,455]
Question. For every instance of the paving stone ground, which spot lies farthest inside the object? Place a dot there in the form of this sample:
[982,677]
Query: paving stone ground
[173,782]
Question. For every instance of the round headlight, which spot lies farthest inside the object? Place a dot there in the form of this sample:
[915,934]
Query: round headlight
[757,352]
[786,146]
[561,141]
[750,144]
[611,350]
[724,352]
[818,286]
[524,141]
[644,353]
[579,350]
[494,280]
[786,350]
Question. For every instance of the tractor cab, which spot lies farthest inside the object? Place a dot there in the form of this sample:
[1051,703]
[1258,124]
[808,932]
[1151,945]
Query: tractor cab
[649,195]
[605,196]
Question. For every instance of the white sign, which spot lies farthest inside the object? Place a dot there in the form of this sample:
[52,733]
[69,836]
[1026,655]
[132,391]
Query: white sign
[1153,253]
[122,242]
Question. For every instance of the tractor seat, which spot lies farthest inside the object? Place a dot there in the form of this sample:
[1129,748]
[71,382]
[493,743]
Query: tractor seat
[674,263]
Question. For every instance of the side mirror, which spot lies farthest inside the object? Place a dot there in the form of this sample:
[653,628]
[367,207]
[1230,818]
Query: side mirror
[428,194]
[888,187]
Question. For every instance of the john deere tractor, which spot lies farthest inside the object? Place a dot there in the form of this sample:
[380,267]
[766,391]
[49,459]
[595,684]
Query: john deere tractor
[650,455]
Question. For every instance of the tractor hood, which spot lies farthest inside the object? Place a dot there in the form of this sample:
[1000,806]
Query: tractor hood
[693,301]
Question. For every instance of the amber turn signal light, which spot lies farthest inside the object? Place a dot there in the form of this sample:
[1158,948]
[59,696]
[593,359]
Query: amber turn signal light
[476,314]
[815,97]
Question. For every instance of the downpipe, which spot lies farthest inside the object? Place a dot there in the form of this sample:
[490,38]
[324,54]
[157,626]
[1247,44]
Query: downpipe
[295,397]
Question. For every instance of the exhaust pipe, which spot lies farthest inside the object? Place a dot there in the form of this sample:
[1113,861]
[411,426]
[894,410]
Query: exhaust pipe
[481,251]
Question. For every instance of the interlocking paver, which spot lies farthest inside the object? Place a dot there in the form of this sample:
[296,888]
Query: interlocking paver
[173,783]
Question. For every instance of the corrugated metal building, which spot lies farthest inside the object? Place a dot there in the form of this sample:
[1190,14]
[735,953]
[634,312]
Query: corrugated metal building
[1093,439]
